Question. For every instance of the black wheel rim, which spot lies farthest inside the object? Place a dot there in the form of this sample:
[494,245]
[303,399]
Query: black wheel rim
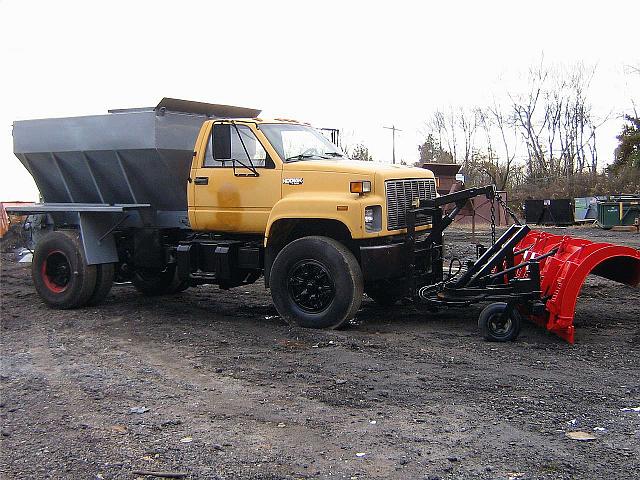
[56,271]
[311,286]
[500,325]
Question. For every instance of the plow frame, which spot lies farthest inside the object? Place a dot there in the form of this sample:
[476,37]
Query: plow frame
[536,274]
[492,277]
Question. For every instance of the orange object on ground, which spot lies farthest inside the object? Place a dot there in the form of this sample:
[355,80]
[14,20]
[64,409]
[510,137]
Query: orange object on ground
[7,220]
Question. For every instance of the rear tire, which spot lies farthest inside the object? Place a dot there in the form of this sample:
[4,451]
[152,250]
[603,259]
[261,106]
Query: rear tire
[316,282]
[494,327]
[104,281]
[60,272]
[152,283]
[177,285]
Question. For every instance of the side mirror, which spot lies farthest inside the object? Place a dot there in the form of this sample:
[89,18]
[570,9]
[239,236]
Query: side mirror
[222,142]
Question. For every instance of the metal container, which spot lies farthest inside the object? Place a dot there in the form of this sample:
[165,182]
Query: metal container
[132,156]
[585,209]
[621,211]
[549,212]
[445,175]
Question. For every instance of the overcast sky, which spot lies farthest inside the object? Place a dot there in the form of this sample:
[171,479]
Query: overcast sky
[345,64]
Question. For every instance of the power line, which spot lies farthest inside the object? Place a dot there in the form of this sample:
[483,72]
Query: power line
[393,137]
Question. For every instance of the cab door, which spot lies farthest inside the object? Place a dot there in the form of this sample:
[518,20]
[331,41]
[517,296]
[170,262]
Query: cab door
[236,183]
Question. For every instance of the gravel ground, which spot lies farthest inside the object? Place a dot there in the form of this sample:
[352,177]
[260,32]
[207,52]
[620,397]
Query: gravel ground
[213,384]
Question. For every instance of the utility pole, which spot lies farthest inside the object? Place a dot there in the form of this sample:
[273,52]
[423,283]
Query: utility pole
[393,137]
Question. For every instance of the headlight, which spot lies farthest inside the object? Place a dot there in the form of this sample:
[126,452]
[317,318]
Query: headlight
[373,218]
[362,186]
[368,216]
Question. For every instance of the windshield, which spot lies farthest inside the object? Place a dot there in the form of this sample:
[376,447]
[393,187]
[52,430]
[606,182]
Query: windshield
[299,142]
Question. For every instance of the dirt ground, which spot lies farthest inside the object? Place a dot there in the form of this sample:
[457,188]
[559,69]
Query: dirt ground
[213,384]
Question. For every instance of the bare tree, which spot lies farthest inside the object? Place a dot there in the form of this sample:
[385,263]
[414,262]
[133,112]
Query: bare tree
[497,123]
[526,108]
[467,121]
[555,120]
[444,127]
[549,125]
[633,70]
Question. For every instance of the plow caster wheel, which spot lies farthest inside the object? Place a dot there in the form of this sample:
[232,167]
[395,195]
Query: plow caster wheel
[499,324]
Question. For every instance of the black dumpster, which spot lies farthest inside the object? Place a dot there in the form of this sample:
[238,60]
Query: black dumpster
[557,212]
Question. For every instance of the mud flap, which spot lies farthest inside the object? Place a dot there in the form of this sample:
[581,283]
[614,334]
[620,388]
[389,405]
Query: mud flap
[563,273]
[99,247]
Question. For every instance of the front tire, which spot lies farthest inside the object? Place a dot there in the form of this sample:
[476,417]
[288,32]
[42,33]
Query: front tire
[60,272]
[316,282]
[497,325]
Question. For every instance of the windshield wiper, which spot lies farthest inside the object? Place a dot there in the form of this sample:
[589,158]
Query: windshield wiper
[302,156]
[334,154]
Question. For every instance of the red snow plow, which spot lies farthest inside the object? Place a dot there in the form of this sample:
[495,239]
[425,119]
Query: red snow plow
[527,273]
[563,273]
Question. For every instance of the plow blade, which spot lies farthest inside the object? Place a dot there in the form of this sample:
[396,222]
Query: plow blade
[563,273]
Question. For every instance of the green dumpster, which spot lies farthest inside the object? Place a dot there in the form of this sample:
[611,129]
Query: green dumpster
[615,212]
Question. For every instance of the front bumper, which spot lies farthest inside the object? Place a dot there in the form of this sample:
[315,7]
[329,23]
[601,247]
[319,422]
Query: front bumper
[381,262]
[400,259]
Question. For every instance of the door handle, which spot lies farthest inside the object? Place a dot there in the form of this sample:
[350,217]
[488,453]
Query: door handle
[201,181]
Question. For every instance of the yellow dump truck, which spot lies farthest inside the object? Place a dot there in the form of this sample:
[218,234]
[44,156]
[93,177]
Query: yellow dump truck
[188,193]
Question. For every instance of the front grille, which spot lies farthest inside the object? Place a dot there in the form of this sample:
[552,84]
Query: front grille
[401,194]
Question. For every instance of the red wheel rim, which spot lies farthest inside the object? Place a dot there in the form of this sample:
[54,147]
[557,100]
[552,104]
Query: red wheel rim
[56,271]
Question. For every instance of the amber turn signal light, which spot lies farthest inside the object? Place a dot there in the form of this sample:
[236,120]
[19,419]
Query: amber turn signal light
[363,186]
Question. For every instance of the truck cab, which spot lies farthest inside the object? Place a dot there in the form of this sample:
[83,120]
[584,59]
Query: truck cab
[248,174]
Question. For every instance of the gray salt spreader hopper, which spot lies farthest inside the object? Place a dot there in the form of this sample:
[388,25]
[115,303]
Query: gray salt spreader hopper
[128,168]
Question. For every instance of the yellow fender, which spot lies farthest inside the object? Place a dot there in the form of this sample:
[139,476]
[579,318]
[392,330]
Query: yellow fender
[326,206]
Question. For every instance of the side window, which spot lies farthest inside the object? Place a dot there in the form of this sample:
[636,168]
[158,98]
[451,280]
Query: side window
[227,144]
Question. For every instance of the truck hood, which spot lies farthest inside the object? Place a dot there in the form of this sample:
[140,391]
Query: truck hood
[357,167]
